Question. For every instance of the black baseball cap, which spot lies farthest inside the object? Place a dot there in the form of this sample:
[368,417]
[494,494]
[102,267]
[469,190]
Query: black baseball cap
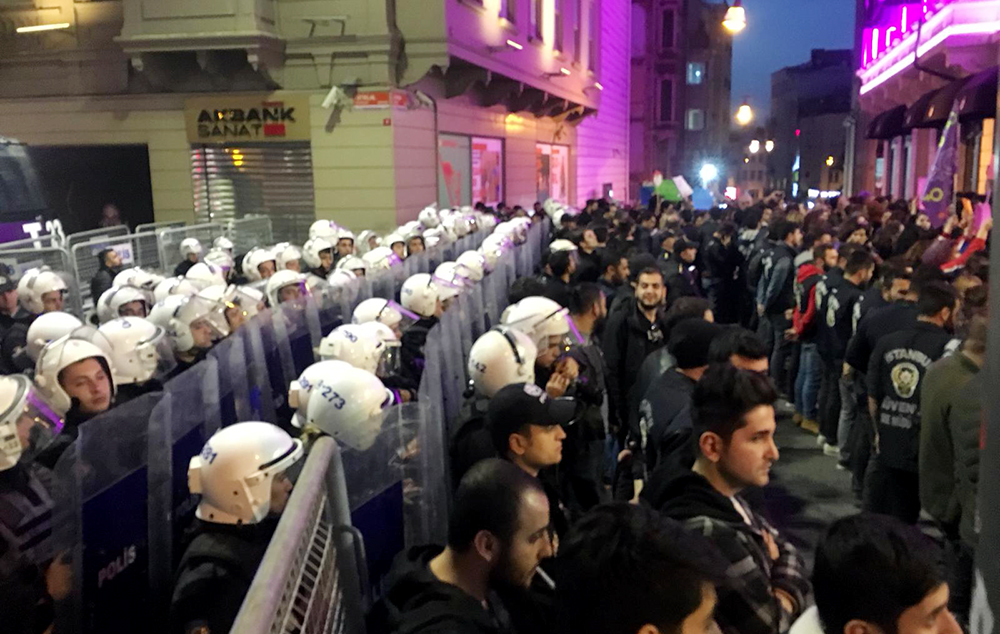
[520,404]
[683,245]
[8,278]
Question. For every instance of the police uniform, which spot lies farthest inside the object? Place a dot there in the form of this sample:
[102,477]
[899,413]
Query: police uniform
[13,329]
[838,301]
[895,373]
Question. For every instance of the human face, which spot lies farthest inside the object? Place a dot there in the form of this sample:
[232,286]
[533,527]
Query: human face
[372,242]
[529,545]
[326,259]
[293,265]
[930,616]
[201,332]
[797,238]
[923,222]
[760,366]
[399,249]
[541,447]
[235,317]
[650,290]
[826,238]
[688,255]
[88,383]
[8,301]
[830,258]
[747,457]
[133,309]
[859,236]
[414,245]
[52,301]
[548,355]
[113,259]
[289,293]
[266,269]
[766,216]
[589,239]
[622,272]
[345,246]
[668,244]
[281,489]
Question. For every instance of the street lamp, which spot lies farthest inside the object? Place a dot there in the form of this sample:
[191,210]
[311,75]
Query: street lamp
[736,18]
[769,146]
[708,173]
[829,161]
[754,146]
[744,115]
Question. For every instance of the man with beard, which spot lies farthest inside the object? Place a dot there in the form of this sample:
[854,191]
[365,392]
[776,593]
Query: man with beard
[109,265]
[497,536]
[614,273]
[896,372]
[629,336]
[732,412]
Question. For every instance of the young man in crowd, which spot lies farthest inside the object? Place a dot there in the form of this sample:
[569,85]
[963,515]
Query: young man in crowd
[497,536]
[897,371]
[765,588]
[875,575]
[109,265]
[776,297]
[614,274]
[626,569]
[804,330]
[630,335]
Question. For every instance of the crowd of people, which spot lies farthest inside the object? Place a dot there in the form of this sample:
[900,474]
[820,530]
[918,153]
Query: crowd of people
[615,419]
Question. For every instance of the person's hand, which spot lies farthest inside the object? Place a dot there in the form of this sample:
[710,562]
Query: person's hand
[568,367]
[623,454]
[791,335]
[760,310]
[405,396]
[949,225]
[59,577]
[789,314]
[785,599]
[557,385]
[772,546]
[847,369]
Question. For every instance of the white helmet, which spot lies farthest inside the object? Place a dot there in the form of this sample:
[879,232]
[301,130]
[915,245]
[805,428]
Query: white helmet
[299,389]
[140,350]
[352,263]
[539,318]
[190,246]
[339,278]
[49,327]
[253,261]
[473,265]
[381,259]
[450,281]
[222,243]
[411,229]
[312,248]
[138,277]
[356,344]
[363,244]
[28,423]
[112,301]
[420,293]
[561,245]
[284,279]
[500,357]
[37,285]
[247,300]
[235,470]
[384,311]
[324,229]
[392,239]
[190,314]
[428,217]
[64,352]
[349,405]
[163,310]
[345,234]
[220,258]
[174,286]
[288,254]
[494,247]
[436,236]
[203,275]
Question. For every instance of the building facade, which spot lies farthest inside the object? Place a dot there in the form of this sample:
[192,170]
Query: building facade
[917,63]
[681,87]
[810,108]
[358,111]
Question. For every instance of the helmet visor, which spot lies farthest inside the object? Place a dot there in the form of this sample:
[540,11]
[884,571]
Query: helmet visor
[35,426]
[388,313]
[389,362]
[157,356]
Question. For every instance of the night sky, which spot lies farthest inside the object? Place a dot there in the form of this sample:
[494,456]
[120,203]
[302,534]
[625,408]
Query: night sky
[781,33]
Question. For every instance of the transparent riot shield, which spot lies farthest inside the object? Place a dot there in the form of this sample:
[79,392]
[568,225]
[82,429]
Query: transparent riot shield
[256,357]
[101,522]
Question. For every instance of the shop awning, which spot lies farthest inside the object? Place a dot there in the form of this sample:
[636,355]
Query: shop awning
[978,99]
[887,125]
[931,110]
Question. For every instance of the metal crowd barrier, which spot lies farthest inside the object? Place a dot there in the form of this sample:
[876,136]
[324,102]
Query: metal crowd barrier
[56,258]
[170,240]
[30,243]
[136,249]
[249,232]
[123,506]
[155,226]
[101,233]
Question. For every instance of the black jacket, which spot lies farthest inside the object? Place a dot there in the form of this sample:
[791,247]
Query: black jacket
[875,325]
[628,339]
[557,290]
[665,416]
[102,281]
[721,261]
[778,280]
[417,602]
[215,573]
[896,372]
[589,267]
[411,352]
[836,318]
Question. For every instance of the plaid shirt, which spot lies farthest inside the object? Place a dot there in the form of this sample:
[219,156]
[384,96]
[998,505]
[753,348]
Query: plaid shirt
[747,604]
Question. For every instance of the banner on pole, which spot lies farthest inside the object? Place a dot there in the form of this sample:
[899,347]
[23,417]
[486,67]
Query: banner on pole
[940,188]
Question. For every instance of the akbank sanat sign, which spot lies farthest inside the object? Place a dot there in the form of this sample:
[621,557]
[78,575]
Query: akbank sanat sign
[273,117]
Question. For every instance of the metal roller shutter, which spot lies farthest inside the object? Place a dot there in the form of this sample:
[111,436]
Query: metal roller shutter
[270,179]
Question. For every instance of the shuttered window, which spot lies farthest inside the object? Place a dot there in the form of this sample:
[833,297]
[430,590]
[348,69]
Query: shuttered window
[269,179]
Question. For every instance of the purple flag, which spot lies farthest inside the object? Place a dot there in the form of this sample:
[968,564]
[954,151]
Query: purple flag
[937,197]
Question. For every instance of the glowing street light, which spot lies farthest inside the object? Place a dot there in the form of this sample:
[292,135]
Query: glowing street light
[744,115]
[829,161]
[708,173]
[754,146]
[736,18]
[769,146]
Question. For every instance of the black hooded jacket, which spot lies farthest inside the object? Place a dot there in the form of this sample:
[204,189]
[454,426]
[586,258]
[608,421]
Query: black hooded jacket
[417,602]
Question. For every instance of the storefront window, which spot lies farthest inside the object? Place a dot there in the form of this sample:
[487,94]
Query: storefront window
[454,170]
[552,172]
[487,170]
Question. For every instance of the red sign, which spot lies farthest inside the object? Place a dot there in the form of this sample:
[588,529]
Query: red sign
[381,99]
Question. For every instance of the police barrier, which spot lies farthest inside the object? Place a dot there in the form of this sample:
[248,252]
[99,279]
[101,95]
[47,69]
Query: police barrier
[137,249]
[56,258]
[96,234]
[169,240]
[152,227]
[249,232]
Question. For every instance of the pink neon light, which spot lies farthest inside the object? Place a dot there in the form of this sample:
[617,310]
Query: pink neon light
[903,23]
[888,36]
[875,43]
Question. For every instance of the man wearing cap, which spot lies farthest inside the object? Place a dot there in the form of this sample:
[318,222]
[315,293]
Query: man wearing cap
[526,427]
[683,278]
[14,322]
